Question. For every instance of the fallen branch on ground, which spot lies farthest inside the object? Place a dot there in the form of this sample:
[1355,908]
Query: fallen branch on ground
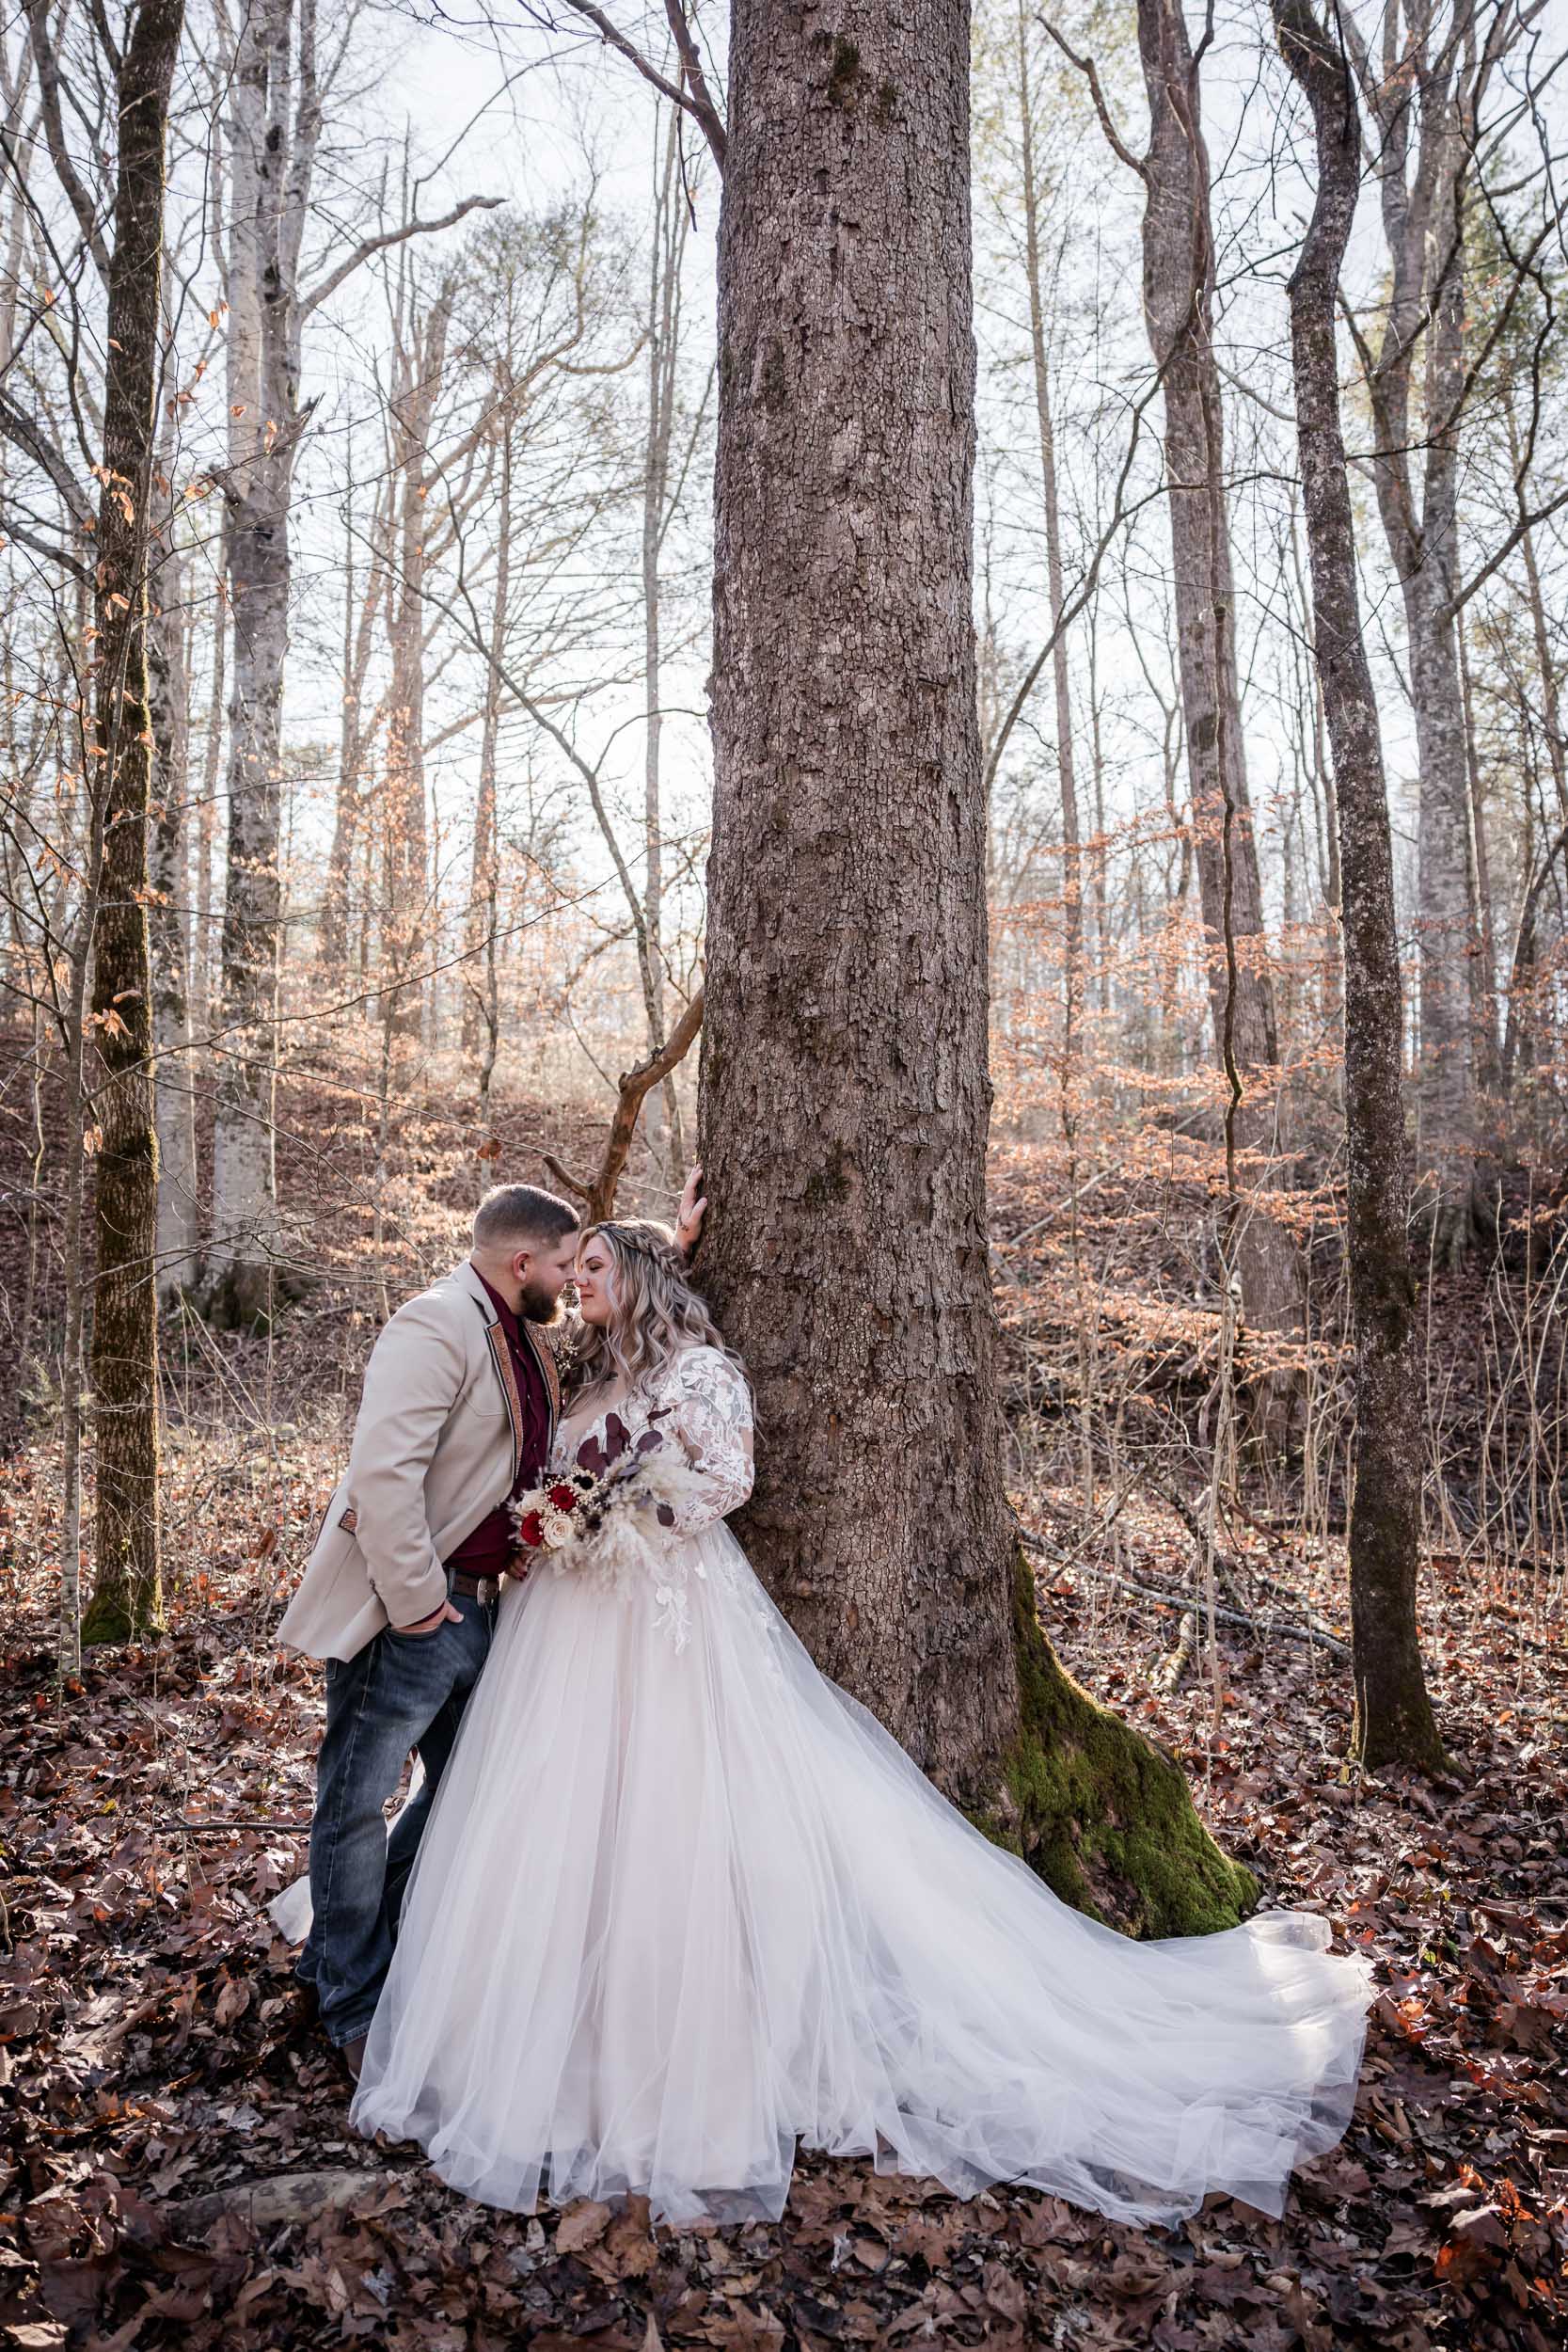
[1288,1629]
[287,2197]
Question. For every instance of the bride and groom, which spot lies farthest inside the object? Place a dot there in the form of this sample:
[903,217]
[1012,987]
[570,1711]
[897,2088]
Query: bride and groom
[668,1901]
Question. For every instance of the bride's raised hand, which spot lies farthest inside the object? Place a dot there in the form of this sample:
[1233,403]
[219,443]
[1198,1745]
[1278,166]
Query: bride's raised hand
[688,1223]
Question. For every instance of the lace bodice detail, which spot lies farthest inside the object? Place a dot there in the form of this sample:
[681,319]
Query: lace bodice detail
[703,1402]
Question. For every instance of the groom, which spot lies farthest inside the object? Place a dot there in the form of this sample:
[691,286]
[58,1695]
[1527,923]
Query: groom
[399,1595]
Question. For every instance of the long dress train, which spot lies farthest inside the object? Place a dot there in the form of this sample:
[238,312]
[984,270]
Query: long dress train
[681,1901]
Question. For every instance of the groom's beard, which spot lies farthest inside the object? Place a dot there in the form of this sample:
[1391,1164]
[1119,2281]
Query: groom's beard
[536,1304]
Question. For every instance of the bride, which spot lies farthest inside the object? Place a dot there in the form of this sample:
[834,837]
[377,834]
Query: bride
[682,1902]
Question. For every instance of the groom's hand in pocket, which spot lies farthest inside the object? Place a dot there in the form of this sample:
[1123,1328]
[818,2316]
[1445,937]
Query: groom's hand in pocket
[445,1614]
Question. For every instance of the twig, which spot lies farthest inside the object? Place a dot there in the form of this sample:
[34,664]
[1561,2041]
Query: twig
[1286,1627]
[598,1193]
[178,1821]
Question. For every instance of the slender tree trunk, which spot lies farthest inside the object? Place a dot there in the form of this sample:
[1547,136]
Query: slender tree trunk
[421,364]
[128,1592]
[1418,103]
[73,1339]
[1445,1076]
[669,238]
[844,1091]
[1551,689]
[276,121]
[1394,1722]
[202,957]
[333,937]
[1097,862]
[1179,277]
[179,1222]
[1072,854]
[1518,1032]
[481,996]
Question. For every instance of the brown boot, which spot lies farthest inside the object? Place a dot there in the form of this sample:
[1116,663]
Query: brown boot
[353,2053]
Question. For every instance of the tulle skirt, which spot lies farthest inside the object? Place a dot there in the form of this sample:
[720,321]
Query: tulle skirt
[682,1903]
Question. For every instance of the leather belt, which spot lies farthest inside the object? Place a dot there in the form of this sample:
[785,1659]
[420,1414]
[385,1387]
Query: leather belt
[481,1588]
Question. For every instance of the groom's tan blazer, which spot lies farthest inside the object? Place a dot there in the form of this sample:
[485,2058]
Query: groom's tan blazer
[436,1447]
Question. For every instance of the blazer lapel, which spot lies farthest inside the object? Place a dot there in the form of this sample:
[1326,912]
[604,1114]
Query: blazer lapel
[543,1355]
[501,1356]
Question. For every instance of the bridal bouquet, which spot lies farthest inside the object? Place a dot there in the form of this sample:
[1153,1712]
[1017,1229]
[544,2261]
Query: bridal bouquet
[616,1489]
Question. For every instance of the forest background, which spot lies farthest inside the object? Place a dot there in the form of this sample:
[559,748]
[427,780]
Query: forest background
[359,796]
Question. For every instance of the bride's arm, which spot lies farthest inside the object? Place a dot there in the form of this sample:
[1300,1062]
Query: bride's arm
[710,1418]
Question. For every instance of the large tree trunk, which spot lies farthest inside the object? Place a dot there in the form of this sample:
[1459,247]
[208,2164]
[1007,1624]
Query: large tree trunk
[1178,280]
[1394,1721]
[128,1594]
[845,1093]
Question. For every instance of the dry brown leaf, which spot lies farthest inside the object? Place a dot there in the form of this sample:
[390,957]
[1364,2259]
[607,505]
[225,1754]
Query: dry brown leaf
[582,2225]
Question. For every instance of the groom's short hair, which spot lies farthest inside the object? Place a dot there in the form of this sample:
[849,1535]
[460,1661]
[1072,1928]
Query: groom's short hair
[511,1216]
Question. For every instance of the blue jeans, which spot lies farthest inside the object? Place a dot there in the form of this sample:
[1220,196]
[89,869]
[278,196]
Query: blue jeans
[402,1692]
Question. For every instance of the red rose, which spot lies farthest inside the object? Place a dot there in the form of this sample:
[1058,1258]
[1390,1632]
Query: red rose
[530,1530]
[565,1498]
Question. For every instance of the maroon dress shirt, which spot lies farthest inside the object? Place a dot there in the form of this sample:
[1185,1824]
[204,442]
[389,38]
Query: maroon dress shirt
[486,1551]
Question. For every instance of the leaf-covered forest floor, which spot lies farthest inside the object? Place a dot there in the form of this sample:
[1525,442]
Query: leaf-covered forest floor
[177,2167]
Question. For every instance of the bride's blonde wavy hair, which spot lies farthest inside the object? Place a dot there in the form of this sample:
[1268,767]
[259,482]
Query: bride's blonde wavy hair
[658,1310]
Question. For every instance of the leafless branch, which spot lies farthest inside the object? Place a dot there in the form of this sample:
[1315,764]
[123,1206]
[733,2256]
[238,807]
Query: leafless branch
[1088,69]
[393,236]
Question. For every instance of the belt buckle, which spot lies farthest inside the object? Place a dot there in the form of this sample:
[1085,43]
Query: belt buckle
[489,1591]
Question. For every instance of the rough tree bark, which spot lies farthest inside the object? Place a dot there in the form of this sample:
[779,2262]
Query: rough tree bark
[1394,1722]
[844,1088]
[128,1592]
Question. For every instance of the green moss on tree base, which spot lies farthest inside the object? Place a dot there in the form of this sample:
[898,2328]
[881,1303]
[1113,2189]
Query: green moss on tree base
[113,1615]
[1103,1815]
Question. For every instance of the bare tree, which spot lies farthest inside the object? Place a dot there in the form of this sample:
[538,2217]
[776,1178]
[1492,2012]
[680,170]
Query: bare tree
[1072,884]
[1179,309]
[274,134]
[1394,1722]
[178,1208]
[117,1063]
[1425,97]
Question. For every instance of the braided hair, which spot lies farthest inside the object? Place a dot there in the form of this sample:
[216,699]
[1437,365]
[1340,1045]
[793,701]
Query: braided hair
[657,1309]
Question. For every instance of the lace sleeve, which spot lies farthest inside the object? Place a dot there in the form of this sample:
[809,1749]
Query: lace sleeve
[711,1416]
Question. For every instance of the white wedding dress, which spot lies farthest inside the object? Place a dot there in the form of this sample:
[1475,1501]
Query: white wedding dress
[682,1902]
